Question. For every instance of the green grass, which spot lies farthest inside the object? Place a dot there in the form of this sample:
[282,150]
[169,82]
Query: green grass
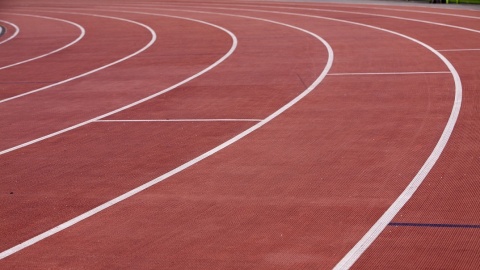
[464,1]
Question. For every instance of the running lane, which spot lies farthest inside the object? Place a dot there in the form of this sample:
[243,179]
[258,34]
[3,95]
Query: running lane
[300,191]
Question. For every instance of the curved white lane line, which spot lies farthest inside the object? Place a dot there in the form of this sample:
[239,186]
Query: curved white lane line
[232,49]
[154,37]
[188,164]
[82,34]
[354,254]
[17,30]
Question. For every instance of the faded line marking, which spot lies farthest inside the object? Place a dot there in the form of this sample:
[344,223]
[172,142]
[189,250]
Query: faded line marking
[182,120]
[433,225]
[458,50]
[112,202]
[389,73]
[82,34]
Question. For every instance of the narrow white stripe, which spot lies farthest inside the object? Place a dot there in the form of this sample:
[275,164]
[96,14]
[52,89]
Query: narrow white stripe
[182,120]
[108,204]
[154,37]
[82,34]
[458,50]
[17,30]
[388,73]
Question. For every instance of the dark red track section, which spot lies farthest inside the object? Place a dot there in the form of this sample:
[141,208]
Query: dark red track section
[297,193]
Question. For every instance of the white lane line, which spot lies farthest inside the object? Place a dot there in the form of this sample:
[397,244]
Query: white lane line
[127,195]
[154,37]
[354,254]
[17,30]
[458,50]
[182,120]
[388,73]
[82,34]
[232,49]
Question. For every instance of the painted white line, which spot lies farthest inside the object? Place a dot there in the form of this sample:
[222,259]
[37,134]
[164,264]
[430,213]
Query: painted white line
[154,37]
[183,120]
[458,50]
[388,73]
[354,254]
[17,30]
[82,34]
[127,195]
[232,49]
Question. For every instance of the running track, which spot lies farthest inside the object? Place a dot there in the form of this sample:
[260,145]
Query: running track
[239,135]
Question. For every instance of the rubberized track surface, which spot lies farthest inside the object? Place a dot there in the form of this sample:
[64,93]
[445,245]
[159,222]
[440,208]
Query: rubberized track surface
[238,135]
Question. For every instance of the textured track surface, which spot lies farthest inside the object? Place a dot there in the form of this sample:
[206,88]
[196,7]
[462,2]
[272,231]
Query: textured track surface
[270,135]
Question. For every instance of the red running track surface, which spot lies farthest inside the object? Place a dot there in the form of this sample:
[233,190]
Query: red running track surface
[296,191]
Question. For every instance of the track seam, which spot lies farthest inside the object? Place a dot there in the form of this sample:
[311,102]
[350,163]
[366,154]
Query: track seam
[178,120]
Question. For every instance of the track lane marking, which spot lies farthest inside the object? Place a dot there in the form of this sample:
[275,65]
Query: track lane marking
[17,30]
[458,50]
[190,163]
[434,225]
[389,73]
[181,120]
[82,34]
[153,39]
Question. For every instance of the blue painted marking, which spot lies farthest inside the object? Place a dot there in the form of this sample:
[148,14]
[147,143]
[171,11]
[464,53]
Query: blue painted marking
[434,225]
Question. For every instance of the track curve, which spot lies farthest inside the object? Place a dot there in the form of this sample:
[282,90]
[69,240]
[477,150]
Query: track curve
[300,191]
